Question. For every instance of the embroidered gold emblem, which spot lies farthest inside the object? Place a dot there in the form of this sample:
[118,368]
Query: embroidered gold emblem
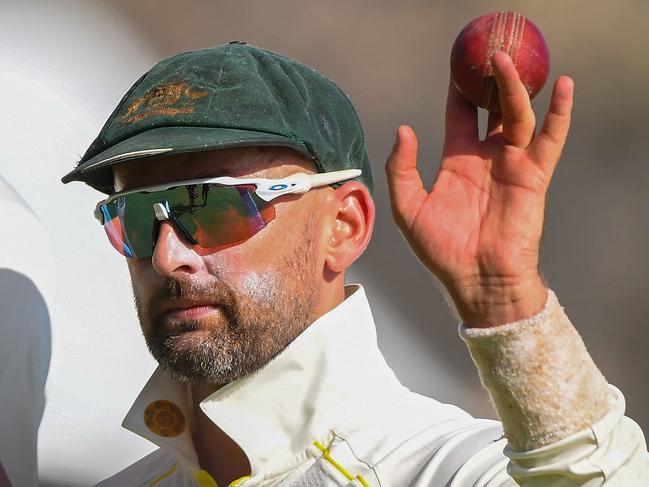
[170,99]
[164,418]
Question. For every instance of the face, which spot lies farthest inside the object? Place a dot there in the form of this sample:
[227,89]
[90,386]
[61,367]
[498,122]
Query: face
[212,317]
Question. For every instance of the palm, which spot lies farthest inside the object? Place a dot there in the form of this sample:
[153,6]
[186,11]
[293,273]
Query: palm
[478,216]
[483,218]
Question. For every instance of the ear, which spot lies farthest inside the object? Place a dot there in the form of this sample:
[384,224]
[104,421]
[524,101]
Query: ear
[352,226]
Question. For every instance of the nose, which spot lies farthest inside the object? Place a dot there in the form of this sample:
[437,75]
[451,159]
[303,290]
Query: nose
[172,253]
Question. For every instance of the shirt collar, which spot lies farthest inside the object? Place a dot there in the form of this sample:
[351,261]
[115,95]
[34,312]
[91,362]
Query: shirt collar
[323,381]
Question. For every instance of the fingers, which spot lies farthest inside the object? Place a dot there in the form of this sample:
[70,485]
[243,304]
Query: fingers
[404,183]
[546,148]
[461,122]
[518,117]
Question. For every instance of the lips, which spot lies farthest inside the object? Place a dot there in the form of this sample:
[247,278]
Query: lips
[189,309]
[192,311]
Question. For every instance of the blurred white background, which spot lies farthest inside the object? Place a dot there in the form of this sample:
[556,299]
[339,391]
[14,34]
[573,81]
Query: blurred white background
[66,64]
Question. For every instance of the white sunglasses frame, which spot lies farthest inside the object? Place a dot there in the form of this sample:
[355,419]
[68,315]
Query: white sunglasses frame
[266,189]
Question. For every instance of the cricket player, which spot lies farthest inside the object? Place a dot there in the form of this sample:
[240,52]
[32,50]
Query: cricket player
[238,188]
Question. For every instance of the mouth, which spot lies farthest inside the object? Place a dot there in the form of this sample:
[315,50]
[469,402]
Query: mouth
[192,312]
[187,308]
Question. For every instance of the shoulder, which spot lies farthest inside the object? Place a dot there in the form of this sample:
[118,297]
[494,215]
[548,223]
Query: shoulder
[440,442]
[153,468]
[416,440]
[412,425]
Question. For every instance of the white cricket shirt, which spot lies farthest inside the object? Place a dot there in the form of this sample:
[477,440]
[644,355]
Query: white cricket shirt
[329,411]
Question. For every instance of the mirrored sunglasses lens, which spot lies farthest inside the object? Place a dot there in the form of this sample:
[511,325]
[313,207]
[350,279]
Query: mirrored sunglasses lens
[220,216]
[214,216]
[129,225]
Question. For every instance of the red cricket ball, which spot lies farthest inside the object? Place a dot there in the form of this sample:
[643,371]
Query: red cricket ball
[481,39]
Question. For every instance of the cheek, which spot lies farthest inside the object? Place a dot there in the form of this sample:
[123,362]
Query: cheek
[252,282]
[139,270]
[249,272]
[263,266]
[260,288]
[142,281]
[267,249]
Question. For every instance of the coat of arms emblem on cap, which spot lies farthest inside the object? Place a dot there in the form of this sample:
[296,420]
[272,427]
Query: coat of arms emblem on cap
[167,100]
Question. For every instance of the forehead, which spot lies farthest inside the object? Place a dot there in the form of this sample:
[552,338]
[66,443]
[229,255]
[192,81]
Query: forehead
[238,162]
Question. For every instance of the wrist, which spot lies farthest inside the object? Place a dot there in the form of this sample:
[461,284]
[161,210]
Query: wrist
[540,377]
[488,305]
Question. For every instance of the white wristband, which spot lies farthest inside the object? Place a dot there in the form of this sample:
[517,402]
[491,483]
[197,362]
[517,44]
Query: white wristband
[541,379]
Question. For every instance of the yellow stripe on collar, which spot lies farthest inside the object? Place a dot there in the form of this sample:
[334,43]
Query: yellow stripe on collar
[163,476]
[338,466]
[204,479]
[234,483]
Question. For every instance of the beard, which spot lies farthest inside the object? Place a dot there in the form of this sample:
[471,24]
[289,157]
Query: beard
[250,327]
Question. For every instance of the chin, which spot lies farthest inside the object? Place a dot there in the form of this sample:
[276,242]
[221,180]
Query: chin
[188,340]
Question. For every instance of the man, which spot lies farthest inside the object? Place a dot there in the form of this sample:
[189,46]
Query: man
[25,346]
[269,371]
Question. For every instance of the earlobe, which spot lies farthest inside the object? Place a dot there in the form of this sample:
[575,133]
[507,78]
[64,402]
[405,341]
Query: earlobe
[352,227]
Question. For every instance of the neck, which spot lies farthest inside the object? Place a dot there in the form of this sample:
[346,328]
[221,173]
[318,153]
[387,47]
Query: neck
[217,453]
[332,292]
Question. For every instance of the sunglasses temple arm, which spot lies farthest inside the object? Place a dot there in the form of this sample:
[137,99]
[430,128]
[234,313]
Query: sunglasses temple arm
[300,183]
[327,178]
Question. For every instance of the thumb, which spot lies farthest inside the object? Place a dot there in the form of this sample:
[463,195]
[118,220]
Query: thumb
[404,182]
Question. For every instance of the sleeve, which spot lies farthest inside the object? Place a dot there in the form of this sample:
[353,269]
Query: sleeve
[564,424]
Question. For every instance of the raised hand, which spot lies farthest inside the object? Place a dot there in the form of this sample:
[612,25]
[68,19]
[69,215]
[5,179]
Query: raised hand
[479,228]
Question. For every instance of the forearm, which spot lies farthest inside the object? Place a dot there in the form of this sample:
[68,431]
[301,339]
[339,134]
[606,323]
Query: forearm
[542,381]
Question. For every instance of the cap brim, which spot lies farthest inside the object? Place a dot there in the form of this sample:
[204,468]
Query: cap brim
[168,141]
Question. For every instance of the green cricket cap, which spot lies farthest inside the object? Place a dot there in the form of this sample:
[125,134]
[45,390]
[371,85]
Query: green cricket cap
[233,95]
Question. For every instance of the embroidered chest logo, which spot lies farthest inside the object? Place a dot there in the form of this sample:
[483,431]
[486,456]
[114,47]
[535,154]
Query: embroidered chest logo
[164,100]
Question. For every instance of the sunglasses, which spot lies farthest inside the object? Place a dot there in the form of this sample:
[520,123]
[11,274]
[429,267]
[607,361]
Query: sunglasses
[210,213]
